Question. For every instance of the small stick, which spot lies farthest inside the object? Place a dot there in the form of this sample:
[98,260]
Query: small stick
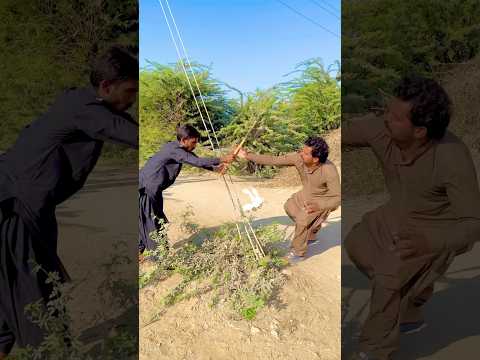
[237,150]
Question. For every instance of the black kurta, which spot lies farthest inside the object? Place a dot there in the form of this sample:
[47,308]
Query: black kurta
[49,163]
[158,174]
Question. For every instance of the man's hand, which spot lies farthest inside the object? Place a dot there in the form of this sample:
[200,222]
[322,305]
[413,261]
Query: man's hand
[243,154]
[410,244]
[227,158]
[311,207]
[220,168]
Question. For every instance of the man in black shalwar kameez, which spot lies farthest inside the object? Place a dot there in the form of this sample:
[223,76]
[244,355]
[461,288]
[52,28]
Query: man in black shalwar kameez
[49,163]
[160,172]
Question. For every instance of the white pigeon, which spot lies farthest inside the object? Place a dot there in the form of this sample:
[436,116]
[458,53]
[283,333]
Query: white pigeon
[256,200]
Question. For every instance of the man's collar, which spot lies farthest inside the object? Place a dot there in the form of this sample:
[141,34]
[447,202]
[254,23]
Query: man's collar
[414,156]
[312,169]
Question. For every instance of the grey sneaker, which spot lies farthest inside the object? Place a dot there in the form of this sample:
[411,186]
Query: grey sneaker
[293,259]
[412,327]
[364,356]
[361,356]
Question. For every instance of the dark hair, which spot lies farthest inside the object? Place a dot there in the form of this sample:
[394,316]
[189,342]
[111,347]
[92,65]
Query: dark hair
[319,148]
[187,131]
[431,106]
[115,64]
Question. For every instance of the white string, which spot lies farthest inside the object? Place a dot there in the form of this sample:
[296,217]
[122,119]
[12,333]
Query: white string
[260,249]
[186,74]
[193,73]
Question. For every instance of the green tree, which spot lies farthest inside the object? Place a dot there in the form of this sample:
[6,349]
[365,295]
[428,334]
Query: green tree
[47,46]
[384,40]
[166,100]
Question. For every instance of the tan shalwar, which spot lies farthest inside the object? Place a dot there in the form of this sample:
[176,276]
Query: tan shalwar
[436,194]
[321,185]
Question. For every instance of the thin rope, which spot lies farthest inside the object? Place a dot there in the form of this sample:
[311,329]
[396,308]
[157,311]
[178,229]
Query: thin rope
[193,73]
[186,74]
[256,246]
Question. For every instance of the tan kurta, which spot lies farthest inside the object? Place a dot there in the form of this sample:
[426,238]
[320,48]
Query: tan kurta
[436,194]
[321,185]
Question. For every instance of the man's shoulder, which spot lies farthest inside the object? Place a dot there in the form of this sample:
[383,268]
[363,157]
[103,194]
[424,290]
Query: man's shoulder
[451,145]
[170,148]
[453,156]
[329,167]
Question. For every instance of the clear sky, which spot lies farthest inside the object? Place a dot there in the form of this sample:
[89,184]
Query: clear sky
[250,44]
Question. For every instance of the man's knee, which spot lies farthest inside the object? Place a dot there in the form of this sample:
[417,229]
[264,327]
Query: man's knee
[290,208]
[357,247]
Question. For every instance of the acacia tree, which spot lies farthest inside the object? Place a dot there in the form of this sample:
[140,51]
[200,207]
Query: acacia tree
[47,46]
[384,40]
[166,100]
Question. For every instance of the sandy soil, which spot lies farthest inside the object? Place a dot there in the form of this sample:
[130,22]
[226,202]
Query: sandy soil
[303,324]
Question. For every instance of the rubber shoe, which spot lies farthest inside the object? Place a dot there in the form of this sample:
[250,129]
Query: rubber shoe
[294,259]
[412,327]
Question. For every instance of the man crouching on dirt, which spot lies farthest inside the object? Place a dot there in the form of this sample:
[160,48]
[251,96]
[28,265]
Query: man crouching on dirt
[160,172]
[320,194]
[431,216]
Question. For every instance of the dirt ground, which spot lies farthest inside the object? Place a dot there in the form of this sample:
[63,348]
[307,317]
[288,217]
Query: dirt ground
[303,324]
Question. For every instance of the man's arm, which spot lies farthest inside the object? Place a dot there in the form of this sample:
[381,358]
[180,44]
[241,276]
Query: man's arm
[459,178]
[284,160]
[185,157]
[100,123]
[332,199]
[360,132]
[464,195]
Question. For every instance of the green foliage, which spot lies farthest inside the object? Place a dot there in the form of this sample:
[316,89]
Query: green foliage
[54,319]
[385,40]
[285,115]
[220,262]
[47,46]
[314,97]
[166,100]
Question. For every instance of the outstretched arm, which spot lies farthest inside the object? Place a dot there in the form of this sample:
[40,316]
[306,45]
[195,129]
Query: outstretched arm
[186,157]
[360,132]
[283,160]
[98,122]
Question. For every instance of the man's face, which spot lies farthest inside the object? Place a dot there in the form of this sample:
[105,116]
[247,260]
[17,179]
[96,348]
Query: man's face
[398,123]
[121,95]
[308,159]
[189,144]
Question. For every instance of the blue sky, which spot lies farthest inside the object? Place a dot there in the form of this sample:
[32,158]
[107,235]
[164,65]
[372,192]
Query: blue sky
[250,44]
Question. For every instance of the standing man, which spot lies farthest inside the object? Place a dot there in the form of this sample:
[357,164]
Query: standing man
[160,172]
[432,215]
[49,163]
[320,194]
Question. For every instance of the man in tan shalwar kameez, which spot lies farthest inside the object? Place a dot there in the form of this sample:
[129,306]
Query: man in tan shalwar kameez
[432,215]
[320,194]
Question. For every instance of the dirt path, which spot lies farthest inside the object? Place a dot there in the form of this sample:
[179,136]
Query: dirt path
[304,325]
[99,222]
